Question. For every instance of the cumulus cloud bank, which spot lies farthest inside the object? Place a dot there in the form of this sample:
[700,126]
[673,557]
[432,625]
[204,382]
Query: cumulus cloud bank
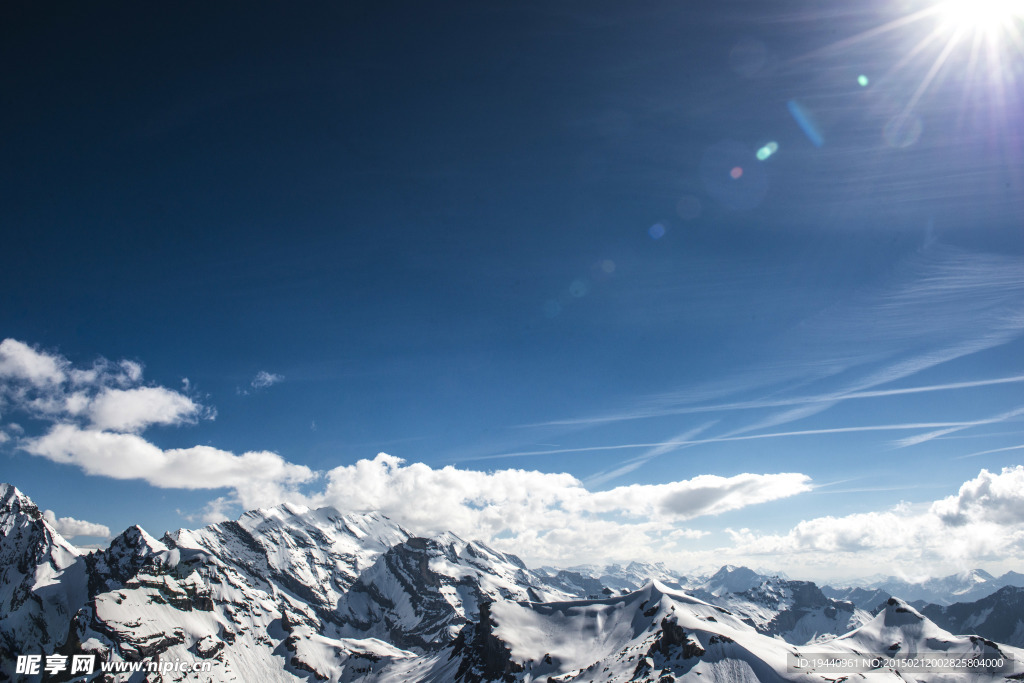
[129,410]
[20,361]
[98,413]
[983,521]
[260,477]
[107,396]
[69,527]
[541,515]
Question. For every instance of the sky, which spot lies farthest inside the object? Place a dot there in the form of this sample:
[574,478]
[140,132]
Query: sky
[682,281]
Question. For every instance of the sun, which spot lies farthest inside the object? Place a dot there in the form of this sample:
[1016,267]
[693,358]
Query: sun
[975,44]
[988,16]
[980,41]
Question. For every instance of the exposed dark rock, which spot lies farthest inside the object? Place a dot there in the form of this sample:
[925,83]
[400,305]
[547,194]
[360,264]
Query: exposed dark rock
[484,656]
[673,636]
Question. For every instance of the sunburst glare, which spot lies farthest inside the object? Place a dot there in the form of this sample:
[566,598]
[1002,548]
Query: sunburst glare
[990,16]
[977,45]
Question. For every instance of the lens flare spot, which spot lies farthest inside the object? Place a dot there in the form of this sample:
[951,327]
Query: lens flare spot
[862,81]
[806,122]
[608,266]
[730,178]
[656,231]
[768,150]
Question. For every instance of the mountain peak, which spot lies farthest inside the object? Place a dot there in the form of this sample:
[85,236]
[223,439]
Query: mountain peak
[899,613]
[733,570]
[137,537]
[968,577]
[732,579]
[14,502]
[21,523]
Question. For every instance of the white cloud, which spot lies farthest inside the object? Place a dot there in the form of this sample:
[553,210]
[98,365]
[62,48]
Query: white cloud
[264,379]
[994,498]
[258,478]
[129,410]
[98,412]
[984,521]
[545,516]
[69,527]
[20,361]
[686,534]
[705,494]
[105,373]
[104,395]
[132,371]
[216,510]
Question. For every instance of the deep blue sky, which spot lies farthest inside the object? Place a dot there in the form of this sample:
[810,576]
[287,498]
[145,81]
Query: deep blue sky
[461,231]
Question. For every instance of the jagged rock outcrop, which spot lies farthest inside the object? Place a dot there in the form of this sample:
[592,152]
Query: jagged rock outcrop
[484,657]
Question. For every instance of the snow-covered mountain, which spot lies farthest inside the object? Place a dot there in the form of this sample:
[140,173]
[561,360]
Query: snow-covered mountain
[659,634]
[729,579]
[796,611]
[43,580]
[999,616]
[964,587]
[864,598]
[314,555]
[902,632]
[422,591]
[592,582]
[293,594]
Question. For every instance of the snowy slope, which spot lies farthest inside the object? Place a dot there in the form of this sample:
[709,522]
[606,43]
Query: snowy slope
[657,634]
[650,634]
[421,592]
[902,631]
[314,554]
[796,611]
[42,579]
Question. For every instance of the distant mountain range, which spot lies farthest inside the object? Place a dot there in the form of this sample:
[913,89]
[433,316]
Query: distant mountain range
[293,594]
[964,587]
